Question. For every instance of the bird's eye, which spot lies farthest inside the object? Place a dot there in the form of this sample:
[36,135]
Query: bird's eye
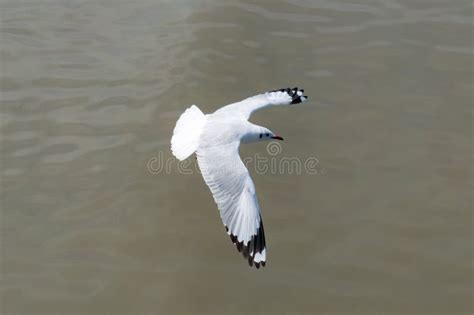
[267,134]
[260,136]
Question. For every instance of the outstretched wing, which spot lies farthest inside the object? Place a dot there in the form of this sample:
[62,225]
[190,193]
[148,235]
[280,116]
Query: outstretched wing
[246,107]
[234,192]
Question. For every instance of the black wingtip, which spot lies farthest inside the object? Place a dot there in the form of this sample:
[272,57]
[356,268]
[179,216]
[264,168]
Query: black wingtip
[299,99]
[295,93]
[254,246]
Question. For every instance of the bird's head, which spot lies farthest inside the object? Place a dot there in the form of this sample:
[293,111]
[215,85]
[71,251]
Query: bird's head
[266,134]
[257,133]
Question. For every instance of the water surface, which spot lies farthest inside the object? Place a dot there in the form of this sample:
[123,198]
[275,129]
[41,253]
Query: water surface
[90,93]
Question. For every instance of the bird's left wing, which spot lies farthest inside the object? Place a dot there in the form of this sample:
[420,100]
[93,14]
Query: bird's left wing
[234,192]
[246,107]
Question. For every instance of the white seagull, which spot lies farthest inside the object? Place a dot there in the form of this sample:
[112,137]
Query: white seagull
[216,139]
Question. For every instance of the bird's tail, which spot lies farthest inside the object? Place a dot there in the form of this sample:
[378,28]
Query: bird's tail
[187,132]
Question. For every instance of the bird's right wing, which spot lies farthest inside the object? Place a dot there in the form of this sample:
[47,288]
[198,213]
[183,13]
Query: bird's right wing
[246,107]
[234,192]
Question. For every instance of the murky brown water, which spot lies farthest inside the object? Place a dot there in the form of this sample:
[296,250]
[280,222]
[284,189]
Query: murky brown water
[90,92]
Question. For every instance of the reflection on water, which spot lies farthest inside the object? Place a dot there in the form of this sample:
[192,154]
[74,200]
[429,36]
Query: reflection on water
[90,91]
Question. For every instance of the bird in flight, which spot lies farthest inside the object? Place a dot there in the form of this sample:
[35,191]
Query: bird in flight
[216,139]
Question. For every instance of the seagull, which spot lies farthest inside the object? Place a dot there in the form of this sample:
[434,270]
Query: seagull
[215,138]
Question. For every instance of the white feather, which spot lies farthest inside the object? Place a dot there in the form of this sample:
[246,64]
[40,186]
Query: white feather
[187,132]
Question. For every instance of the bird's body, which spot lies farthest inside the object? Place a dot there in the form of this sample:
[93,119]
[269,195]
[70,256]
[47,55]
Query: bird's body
[215,138]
